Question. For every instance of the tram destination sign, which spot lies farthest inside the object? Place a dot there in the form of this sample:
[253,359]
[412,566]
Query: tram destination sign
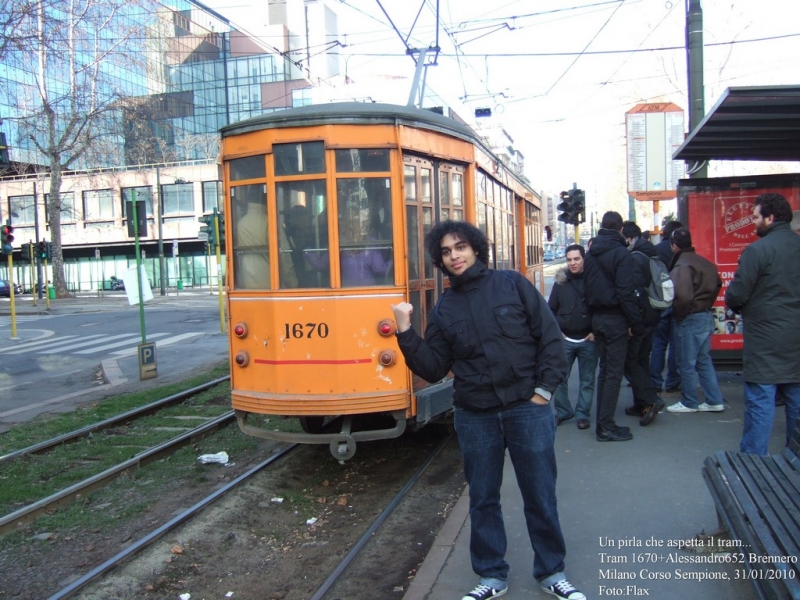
[654,132]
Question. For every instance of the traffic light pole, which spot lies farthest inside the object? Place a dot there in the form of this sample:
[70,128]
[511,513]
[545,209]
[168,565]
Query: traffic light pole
[138,266]
[11,297]
[217,238]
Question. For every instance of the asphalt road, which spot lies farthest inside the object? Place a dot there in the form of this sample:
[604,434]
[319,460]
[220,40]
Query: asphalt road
[85,349]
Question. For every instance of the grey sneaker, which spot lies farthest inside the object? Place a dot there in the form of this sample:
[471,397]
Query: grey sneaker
[484,592]
[565,590]
[705,407]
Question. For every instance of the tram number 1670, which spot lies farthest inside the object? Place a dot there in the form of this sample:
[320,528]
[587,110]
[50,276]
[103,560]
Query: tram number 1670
[300,331]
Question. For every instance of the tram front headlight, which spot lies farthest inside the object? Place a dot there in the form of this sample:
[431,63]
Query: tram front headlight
[387,357]
[240,330]
[242,358]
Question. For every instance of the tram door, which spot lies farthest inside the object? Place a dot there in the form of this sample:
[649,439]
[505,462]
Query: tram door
[434,192]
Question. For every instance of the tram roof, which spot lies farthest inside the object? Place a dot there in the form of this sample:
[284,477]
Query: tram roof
[353,113]
[748,123]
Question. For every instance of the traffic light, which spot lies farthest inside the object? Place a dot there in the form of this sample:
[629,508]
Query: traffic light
[43,251]
[565,206]
[207,230]
[548,233]
[572,207]
[578,206]
[27,251]
[221,228]
[7,238]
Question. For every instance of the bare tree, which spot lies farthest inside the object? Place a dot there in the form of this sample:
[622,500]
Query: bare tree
[69,101]
[14,17]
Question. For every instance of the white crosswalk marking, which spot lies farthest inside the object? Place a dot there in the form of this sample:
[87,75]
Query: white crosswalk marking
[160,344]
[134,341]
[27,347]
[130,337]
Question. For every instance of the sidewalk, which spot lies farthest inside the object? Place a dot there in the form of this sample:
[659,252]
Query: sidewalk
[621,505]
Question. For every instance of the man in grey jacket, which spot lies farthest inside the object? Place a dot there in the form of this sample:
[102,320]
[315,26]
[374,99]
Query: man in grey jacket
[766,291]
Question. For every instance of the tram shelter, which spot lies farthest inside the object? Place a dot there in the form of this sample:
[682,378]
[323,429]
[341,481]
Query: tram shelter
[752,124]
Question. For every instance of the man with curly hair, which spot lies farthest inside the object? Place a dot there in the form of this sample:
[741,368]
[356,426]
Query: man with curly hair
[766,291]
[495,332]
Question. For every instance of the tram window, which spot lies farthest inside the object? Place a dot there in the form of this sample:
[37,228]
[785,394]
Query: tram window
[425,183]
[365,231]
[411,183]
[250,237]
[252,167]
[303,225]
[362,160]
[298,159]
[427,224]
[457,187]
[413,242]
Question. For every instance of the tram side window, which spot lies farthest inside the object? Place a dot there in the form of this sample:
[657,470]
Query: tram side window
[303,228]
[299,159]
[251,167]
[250,237]
[365,231]
[362,160]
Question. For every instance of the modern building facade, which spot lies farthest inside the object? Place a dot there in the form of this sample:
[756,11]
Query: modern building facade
[183,70]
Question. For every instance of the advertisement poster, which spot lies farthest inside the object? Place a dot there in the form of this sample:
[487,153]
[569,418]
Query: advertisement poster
[722,225]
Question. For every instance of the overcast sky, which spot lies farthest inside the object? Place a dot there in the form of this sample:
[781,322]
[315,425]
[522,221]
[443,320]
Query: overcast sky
[561,74]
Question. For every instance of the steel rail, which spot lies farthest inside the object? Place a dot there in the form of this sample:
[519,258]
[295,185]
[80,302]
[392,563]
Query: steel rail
[359,545]
[89,429]
[143,543]
[72,493]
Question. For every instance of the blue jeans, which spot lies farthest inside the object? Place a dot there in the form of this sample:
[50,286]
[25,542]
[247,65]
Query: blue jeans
[759,412]
[693,343]
[587,367]
[527,430]
[664,336]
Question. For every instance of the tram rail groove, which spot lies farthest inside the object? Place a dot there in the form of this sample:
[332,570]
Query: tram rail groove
[379,520]
[68,495]
[157,534]
[112,421]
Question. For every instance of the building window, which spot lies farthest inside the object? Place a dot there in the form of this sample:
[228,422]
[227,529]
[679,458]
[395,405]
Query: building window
[212,196]
[68,212]
[21,209]
[178,198]
[98,205]
[142,193]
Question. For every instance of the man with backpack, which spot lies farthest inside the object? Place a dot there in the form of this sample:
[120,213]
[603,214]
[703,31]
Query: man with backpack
[646,401]
[697,284]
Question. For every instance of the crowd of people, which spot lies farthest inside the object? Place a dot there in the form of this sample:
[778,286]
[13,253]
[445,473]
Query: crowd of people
[632,307]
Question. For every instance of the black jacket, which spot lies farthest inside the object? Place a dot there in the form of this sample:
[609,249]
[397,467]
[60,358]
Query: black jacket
[608,272]
[568,303]
[664,251]
[495,332]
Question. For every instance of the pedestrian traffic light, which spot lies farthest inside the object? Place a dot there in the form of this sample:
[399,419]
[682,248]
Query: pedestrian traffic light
[7,238]
[207,230]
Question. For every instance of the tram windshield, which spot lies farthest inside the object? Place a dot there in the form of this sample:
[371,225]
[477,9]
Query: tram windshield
[362,219]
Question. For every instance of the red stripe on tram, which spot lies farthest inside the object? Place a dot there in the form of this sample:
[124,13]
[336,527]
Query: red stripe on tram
[352,361]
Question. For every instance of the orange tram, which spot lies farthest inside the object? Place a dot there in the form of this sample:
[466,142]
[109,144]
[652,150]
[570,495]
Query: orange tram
[327,207]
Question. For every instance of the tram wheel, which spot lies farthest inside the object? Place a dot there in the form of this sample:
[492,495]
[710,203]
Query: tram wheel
[312,424]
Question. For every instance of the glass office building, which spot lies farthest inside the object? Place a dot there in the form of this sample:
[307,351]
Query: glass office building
[172,73]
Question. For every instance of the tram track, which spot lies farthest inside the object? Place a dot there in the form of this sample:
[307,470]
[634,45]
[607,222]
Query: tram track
[234,539]
[81,488]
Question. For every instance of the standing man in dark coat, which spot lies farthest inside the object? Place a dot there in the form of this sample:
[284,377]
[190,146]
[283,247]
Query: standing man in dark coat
[611,298]
[568,303]
[663,349]
[499,338]
[766,291]
[646,401]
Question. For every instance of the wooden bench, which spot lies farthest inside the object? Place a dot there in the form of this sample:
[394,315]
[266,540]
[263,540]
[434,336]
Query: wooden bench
[758,503]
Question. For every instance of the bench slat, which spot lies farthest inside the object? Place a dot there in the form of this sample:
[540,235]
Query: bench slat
[741,484]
